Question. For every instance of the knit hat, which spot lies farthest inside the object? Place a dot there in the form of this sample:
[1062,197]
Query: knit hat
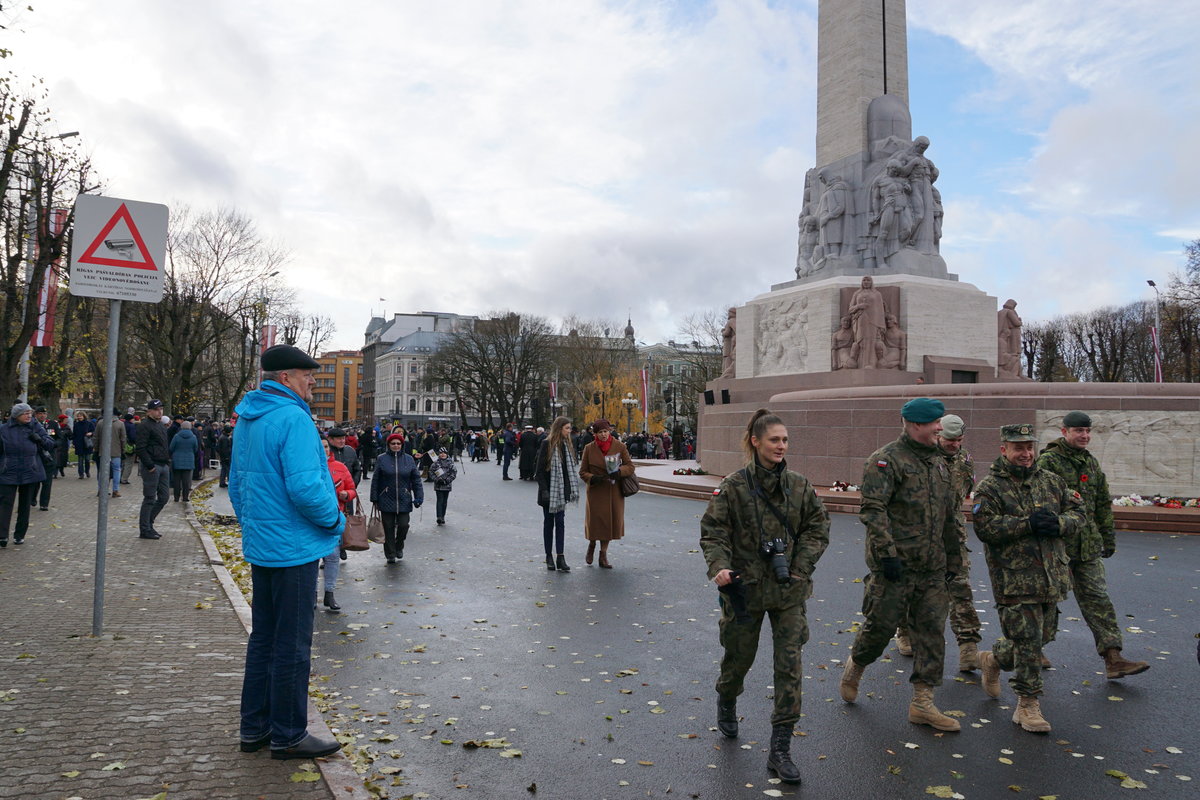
[398,437]
[922,410]
[21,408]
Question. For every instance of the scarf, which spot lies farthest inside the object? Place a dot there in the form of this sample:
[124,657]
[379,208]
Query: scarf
[605,445]
[562,490]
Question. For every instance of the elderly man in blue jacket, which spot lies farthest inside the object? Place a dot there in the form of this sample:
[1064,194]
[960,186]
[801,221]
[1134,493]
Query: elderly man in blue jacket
[283,495]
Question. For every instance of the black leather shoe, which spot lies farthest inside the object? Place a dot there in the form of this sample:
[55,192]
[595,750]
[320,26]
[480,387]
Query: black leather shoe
[256,745]
[342,553]
[550,563]
[149,535]
[309,747]
[561,563]
[727,721]
[780,759]
[330,603]
[391,560]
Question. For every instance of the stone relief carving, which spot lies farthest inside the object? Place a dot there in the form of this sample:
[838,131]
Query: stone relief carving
[895,345]
[920,172]
[891,214]
[843,341]
[1141,451]
[809,236]
[833,211]
[1008,356]
[868,317]
[782,340]
[729,346]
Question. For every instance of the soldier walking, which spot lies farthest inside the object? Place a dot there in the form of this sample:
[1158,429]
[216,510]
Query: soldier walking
[762,535]
[964,621]
[912,552]
[1022,515]
[1068,457]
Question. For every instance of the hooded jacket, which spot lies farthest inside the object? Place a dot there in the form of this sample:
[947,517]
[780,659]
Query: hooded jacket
[1025,568]
[279,482]
[184,448]
[1080,469]
[396,485]
[21,456]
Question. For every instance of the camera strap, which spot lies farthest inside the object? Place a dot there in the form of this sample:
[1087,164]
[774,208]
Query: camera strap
[757,491]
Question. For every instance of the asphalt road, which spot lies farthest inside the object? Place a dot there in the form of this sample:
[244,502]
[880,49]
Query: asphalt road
[602,679]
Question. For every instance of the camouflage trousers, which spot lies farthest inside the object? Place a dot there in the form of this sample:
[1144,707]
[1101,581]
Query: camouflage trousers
[1026,627]
[964,621]
[789,632]
[1091,592]
[922,599]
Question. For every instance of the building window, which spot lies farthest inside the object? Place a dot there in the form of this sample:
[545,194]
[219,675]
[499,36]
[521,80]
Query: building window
[412,404]
[441,406]
[428,406]
[399,386]
[452,407]
[412,368]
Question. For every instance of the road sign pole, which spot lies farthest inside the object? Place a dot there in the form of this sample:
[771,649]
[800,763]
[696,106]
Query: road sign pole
[105,465]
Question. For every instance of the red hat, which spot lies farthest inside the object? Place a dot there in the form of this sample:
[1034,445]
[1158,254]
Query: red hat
[62,416]
[397,436]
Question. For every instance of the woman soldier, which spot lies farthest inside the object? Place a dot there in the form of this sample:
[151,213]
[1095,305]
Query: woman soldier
[762,535]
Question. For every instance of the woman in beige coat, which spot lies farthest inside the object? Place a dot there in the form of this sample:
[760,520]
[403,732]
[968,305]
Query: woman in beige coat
[603,462]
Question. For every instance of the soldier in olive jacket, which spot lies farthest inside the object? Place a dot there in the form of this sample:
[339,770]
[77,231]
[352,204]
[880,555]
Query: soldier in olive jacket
[1069,458]
[1023,515]
[747,512]
[912,549]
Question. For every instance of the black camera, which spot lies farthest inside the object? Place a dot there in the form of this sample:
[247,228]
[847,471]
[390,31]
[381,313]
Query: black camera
[774,551]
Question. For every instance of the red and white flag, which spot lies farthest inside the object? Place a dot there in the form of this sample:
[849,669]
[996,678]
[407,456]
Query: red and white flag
[553,390]
[47,296]
[645,393]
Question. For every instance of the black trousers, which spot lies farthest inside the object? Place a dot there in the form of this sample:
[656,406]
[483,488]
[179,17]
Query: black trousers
[395,531]
[20,496]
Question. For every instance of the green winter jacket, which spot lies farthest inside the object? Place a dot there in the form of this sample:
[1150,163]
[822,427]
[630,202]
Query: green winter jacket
[730,532]
[1081,471]
[1025,568]
[910,508]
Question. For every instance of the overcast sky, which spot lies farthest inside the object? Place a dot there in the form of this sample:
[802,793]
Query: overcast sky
[605,158]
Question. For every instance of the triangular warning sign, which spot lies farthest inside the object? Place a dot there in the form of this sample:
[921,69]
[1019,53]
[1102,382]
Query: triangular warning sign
[120,246]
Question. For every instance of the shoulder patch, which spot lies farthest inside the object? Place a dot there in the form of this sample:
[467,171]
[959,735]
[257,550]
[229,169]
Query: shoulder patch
[976,507]
[716,491]
[881,463]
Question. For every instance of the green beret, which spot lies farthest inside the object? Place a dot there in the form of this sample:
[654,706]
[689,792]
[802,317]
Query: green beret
[923,409]
[1077,419]
[1018,433]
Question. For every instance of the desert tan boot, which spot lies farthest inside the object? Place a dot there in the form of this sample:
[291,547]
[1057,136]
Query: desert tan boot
[968,657]
[1117,667]
[922,711]
[990,673]
[850,677]
[1029,715]
[902,642]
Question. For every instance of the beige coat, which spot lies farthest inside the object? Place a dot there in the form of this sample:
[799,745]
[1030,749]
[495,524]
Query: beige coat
[605,518]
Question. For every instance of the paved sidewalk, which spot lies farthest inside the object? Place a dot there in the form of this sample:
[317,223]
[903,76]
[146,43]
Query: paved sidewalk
[152,705]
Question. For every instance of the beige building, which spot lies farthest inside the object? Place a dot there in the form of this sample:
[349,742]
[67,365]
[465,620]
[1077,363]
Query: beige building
[337,396]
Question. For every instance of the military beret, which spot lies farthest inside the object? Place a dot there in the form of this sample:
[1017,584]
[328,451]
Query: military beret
[953,427]
[922,410]
[1077,419]
[283,356]
[335,432]
[1018,433]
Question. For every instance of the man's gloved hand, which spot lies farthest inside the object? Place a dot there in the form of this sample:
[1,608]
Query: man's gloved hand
[1043,523]
[1108,552]
[893,568]
[416,504]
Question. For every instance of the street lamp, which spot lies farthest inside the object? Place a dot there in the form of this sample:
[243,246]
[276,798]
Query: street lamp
[629,402]
[1158,374]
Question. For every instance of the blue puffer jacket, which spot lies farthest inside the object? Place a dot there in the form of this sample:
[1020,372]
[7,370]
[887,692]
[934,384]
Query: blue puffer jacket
[396,484]
[279,483]
[184,448]
[21,462]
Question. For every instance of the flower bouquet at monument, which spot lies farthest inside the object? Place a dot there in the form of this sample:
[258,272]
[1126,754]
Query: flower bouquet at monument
[689,471]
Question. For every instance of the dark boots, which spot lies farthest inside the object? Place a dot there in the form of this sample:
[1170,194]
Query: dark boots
[561,563]
[727,721]
[780,760]
[549,562]
[330,603]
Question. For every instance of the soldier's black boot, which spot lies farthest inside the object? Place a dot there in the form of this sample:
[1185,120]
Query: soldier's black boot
[780,760]
[727,721]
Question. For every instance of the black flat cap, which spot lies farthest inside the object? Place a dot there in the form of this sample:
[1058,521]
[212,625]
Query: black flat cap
[1077,419]
[284,356]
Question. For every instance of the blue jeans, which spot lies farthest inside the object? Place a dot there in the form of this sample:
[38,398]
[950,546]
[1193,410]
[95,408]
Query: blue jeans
[333,565]
[279,654]
[115,468]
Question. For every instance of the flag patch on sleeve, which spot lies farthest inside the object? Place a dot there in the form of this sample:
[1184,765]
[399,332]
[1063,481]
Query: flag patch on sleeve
[716,491]
[881,463]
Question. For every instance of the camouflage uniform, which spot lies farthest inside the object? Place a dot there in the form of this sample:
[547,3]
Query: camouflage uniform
[730,535]
[1082,473]
[1030,575]
[908,508]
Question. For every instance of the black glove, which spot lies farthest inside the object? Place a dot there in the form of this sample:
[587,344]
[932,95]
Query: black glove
[1043,524]
[735,590]
[893,568]
[33,437]
[416,505]
[1108,552]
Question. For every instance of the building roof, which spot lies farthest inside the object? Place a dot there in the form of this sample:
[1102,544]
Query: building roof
[418,343]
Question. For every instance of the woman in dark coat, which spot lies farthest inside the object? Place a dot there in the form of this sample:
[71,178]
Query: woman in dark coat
[22,440]
[184,448]
[555,470]
[64,445]
[81,437]
[396,490]
[605,460]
